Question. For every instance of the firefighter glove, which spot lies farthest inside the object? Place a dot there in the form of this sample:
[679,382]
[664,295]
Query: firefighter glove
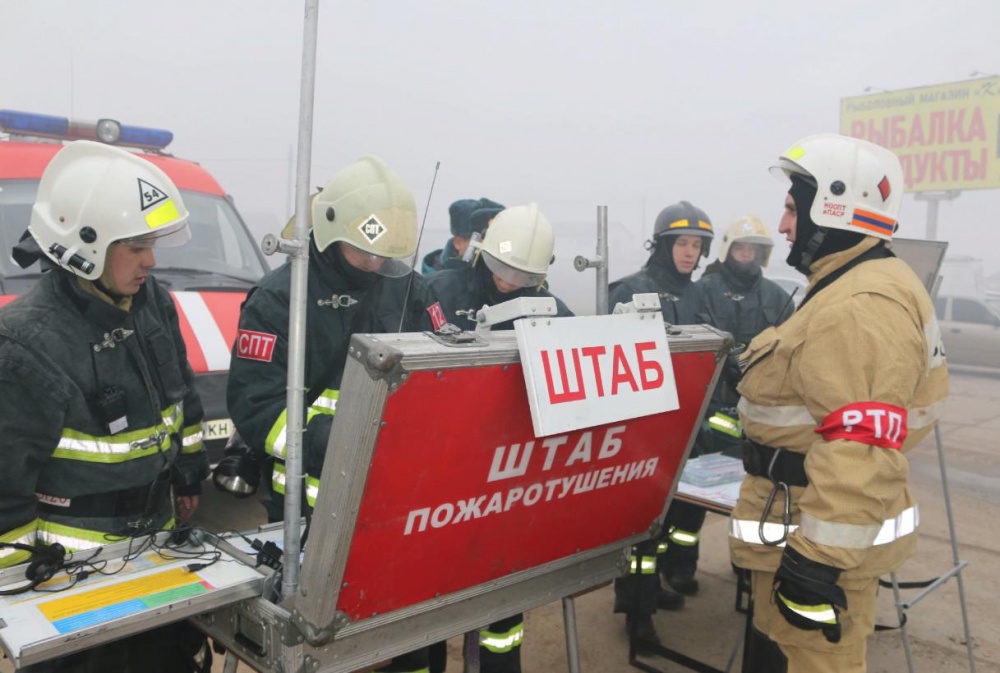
[808,596]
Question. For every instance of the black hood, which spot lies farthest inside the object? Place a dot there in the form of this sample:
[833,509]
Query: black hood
[813,242]
[662,260]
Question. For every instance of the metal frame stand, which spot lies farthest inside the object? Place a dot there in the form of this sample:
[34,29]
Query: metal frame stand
[955,571]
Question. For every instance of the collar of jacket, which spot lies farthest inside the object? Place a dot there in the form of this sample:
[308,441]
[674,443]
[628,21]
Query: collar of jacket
[327,265]
[673,283]
[96,309]
[744,282]
[824,266]
[91,287]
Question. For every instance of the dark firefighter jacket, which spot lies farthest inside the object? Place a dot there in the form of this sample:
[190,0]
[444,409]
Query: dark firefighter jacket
[744,306]
[336,308]
[98,415]
[471,288]
[679,302]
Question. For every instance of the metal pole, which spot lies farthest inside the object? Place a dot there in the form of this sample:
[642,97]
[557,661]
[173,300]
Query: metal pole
[572,645]
[934,200]
[297,315]
[933,207]
[602,254]
[954,547]
[599,262]
[901,615]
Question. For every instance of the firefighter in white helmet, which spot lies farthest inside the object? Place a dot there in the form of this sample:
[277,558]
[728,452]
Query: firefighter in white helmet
[682,235]
[736,298]
[831,401]
[100,425]
[362,243]
[511,261]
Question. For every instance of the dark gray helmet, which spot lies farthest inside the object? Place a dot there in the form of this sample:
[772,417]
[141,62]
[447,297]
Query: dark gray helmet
[683,218]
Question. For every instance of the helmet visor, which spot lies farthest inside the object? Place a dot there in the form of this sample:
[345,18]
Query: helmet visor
[165,237]
[786,168]
[383,266]
[510,275]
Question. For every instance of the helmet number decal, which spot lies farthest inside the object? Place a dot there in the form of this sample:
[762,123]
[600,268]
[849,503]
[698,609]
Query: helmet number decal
[149,195]
[372,229]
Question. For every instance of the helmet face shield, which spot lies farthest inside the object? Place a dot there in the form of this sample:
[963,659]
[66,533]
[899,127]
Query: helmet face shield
[167,237]
[510,275]
[388,267]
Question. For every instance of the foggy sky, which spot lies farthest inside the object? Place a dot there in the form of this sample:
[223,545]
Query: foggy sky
[633,104]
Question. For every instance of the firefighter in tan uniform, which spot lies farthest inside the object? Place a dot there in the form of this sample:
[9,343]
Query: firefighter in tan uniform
[831,401]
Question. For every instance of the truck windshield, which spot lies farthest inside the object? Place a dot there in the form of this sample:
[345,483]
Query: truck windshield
[220,242]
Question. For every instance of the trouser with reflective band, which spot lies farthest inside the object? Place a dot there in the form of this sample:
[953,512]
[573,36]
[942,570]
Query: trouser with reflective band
[500,646]
[635,594]
[809,651]
[684,522]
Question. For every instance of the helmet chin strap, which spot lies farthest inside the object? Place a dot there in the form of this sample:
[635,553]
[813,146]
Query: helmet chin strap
[812,247]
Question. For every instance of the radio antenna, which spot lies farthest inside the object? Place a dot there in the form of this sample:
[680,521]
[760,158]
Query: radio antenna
[420,235]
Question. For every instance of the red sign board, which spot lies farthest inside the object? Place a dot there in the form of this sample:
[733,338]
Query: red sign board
[460,492]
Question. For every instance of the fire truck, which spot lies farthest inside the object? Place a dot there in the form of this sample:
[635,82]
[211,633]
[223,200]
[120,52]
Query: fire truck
[208,278]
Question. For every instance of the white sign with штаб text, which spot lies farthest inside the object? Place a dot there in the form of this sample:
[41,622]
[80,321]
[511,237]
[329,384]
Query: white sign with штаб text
[587,371]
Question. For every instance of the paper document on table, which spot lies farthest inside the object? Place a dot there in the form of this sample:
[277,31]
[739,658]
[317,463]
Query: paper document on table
[712,478]
[712,469]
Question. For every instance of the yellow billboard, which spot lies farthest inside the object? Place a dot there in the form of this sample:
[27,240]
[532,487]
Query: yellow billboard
[947,136]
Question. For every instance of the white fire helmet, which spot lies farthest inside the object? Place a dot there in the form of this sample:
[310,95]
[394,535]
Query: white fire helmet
[91,195]
[367,206]
[859,185]
[747,229]
[518,246]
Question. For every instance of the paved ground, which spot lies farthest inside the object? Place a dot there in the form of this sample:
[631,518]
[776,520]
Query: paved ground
[708,628]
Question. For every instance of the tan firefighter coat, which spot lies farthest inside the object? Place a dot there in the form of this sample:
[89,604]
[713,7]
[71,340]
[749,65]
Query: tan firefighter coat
[852,380]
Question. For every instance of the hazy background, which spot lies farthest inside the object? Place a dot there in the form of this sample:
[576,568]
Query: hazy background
[633,104]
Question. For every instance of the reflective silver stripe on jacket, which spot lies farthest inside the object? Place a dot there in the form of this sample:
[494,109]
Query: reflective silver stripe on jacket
[781,417]
[845,535]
